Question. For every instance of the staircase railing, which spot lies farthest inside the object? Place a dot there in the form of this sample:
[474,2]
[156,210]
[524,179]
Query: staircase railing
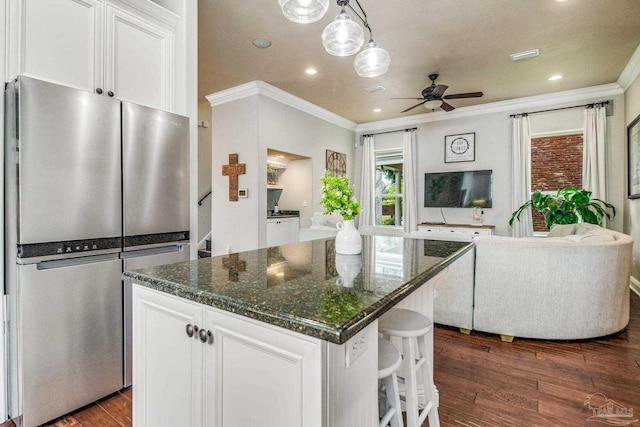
[204,197]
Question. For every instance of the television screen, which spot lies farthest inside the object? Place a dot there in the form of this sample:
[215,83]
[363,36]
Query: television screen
[458,189]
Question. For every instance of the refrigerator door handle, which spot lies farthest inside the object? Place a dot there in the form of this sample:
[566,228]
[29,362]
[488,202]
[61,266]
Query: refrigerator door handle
[152,251]
[68,262]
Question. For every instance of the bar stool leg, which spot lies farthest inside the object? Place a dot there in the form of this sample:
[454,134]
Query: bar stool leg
[410,381]
[393,399]
[427,380]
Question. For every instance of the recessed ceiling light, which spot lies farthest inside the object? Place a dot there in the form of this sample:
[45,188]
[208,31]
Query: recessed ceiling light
[261,43]
[560,1]
[555,77]
[524,55]
[311,71]
[377,110]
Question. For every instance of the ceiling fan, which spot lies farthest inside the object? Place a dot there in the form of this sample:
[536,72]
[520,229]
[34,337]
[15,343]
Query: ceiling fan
[432,96]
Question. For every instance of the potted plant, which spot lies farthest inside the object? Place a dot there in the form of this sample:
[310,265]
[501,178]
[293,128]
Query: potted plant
[567,206]
[337,196]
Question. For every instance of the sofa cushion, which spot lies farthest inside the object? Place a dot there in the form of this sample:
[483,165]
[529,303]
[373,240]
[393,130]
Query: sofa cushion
[561,230]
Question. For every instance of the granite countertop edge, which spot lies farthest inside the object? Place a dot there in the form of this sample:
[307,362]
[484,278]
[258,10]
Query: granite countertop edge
[338,334]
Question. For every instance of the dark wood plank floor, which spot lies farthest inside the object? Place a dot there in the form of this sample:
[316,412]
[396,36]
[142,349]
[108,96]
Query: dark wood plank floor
[484,382]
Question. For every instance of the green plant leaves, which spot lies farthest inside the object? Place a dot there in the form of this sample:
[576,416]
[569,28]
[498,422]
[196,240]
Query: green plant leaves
[337,196]
[567,206]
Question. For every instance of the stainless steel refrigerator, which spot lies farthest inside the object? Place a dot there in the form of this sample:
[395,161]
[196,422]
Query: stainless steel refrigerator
[92,186]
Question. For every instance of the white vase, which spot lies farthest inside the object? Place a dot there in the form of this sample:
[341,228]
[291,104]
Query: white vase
[348,240]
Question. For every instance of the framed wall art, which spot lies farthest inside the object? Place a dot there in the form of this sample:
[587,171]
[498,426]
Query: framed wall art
[633,141]
[336,163]
[460,148]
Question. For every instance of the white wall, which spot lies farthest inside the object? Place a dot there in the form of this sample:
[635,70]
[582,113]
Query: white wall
[249,126]
[297,194]
[204,171]
[632,211]
[493,151]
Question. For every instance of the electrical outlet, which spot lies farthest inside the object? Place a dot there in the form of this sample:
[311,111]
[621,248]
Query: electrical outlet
[355,347]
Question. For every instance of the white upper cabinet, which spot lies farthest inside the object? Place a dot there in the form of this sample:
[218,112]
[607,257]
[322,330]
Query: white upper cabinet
[119,48]
[63,41]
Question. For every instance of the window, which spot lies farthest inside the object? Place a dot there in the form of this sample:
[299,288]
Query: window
[556,162]
[389,187]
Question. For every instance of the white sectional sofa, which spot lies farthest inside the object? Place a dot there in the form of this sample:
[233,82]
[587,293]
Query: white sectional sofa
[573,284]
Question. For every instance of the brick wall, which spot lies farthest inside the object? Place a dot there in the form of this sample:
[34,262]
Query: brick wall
[556,162]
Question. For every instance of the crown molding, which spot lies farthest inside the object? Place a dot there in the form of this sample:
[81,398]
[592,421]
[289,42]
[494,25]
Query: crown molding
[265,89]
[512,105]
[631,70]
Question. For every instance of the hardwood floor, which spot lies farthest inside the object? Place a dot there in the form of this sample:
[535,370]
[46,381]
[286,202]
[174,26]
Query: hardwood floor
[484,382]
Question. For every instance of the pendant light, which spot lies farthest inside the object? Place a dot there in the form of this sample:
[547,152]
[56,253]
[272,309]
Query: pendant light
[342,37]
[373,61]
[304,11]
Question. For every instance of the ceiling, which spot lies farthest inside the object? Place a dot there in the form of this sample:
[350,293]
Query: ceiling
[468,42]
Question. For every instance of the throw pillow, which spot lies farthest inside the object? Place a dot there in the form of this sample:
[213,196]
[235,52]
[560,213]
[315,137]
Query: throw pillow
[585,227]
[561,230]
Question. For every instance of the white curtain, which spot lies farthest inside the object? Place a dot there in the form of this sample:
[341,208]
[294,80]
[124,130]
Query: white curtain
[593,159]
[367,185]
[410,215]
[521,168]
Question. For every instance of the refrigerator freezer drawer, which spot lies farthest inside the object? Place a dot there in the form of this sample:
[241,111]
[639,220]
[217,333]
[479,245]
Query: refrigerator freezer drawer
[71,336]
[142,259]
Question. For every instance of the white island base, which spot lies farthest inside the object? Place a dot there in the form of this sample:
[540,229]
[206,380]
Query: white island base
[236,371]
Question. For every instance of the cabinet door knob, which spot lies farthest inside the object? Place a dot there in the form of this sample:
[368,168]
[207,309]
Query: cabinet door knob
[110,93]
[190,330]
[203,335]
[99,91]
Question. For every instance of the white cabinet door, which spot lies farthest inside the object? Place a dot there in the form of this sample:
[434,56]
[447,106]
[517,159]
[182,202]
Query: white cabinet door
[281,231]
[98,47]
[167,363]
[259,376]
[63,41]
[139,60]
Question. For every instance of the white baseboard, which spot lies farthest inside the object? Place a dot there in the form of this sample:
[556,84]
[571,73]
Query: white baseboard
[635,286]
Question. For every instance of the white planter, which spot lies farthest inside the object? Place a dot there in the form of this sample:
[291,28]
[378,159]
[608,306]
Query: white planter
[348,240]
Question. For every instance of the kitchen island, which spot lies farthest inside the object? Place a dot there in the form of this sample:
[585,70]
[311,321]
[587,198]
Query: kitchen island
[281,336]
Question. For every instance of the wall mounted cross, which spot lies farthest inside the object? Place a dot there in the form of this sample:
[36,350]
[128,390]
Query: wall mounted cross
[232,170]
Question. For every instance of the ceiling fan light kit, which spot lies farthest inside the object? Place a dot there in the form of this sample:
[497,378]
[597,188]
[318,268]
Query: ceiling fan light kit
[304,11]
[433,96]
[343,36]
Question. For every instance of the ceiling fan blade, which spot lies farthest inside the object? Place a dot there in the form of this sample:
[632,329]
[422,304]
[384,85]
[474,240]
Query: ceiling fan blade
[411,108]
[418,99]
[447,107]
[464,95]
[438,91]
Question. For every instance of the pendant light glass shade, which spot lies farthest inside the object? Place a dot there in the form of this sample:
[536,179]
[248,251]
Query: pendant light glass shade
[342,37]
[373,61]
[304,11]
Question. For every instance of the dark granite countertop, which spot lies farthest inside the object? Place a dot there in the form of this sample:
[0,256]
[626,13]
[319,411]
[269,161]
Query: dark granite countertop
[296,286]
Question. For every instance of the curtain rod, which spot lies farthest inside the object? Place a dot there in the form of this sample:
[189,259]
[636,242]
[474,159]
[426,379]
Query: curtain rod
[390,131]
[602,103]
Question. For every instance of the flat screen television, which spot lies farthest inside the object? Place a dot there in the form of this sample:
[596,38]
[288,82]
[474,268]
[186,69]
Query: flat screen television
[464,189]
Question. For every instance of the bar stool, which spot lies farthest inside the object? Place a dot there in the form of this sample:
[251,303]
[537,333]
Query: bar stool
[389,360]
[413,328]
